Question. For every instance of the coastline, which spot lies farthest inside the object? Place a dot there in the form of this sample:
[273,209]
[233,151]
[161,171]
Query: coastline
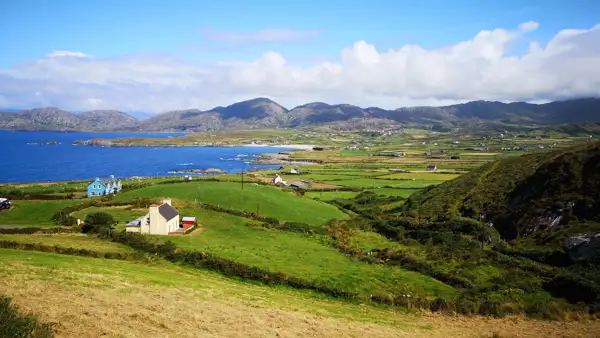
[293,146]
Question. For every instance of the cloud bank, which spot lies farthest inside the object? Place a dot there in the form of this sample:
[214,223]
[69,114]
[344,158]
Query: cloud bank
[482,68]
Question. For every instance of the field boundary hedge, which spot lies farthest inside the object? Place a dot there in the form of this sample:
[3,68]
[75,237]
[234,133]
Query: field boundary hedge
[6,244]
[31,230]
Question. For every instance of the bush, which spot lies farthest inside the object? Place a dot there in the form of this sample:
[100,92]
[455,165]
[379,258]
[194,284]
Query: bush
[14,324]
[466,306]
[491,308]
[98,222]
[62,218]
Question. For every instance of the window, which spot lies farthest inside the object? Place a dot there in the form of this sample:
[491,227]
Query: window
[93,193]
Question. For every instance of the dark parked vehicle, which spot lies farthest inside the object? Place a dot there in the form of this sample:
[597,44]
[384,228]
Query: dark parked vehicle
[4,203]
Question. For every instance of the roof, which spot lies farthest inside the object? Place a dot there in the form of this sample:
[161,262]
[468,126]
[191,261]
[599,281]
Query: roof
[189,219]
[167,211]
[111,180]
[136,222]
[3,199]
[106,181]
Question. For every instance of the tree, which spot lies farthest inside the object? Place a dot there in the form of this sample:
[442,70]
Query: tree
[98,222]
[484,235]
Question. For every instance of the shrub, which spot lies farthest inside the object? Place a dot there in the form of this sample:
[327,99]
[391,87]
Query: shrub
[466,306]
[14,324]
[63,218]
[98,222]
[491,308]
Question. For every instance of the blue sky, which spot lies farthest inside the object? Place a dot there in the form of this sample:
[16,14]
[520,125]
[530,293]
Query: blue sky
[32,28]
[247,48]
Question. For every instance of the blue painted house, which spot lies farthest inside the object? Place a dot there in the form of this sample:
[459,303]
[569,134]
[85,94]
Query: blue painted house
[104,186]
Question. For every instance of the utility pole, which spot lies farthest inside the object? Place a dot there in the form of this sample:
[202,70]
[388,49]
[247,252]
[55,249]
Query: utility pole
[257,207]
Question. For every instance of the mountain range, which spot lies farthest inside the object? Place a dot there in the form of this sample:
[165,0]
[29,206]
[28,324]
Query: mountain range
[265,113]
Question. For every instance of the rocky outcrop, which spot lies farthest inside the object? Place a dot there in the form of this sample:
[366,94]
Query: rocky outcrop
[583,248]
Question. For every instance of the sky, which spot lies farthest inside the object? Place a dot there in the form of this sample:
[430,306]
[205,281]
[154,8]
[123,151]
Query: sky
[154,56]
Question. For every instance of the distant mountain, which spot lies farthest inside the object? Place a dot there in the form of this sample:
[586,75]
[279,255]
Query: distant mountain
[318,112]
[265,113]
[51,118]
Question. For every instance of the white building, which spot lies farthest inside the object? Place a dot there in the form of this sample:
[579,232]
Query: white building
[278,180]
[161,219]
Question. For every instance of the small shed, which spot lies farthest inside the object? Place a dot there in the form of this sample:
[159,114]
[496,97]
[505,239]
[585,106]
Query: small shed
[188,222]
[432,168]
[298,185]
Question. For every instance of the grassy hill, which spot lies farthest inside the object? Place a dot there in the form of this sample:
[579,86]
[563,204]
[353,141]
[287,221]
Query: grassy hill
[522,196]
[268,201]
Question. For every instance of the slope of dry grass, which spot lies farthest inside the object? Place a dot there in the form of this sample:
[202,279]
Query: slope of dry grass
[94,297]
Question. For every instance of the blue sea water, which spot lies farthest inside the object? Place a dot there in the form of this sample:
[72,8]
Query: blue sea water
[22,160]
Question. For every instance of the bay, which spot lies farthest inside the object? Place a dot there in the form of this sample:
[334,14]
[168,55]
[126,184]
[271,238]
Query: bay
[23,159]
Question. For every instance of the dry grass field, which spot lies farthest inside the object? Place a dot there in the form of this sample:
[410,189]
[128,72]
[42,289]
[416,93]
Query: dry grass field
[95,297]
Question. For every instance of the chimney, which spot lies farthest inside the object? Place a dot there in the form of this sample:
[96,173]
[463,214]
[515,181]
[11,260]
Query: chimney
[154,222]
[166,200]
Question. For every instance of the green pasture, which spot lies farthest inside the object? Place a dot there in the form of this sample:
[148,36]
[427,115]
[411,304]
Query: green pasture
[266,200]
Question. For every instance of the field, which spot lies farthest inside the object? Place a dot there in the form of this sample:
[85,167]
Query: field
[268,201]
[395,192]
[122,214]
[75,241]
[299,255]
[330,195]
[95,297]
[32,213]
[377,183]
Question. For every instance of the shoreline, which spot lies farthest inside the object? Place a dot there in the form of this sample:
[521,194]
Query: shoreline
[109,143]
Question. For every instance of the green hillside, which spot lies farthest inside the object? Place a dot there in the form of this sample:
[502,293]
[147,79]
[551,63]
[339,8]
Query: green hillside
[522,196]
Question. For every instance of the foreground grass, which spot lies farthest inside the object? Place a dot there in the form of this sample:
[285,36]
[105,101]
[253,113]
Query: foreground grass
[75,241]
[97,297]
[15,324]
[308,257]
[33,213]
[268,201]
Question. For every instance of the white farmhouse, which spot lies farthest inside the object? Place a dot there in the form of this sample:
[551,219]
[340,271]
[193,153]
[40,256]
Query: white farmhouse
[277,180]
[162,219]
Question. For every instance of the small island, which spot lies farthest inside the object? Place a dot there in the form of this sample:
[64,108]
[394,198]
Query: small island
[211,171]
[45,143]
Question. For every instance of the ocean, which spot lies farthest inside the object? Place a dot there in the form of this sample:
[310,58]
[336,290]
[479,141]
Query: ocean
[22,159]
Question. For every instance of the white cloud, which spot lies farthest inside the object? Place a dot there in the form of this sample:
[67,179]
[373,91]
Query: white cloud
[481,68]
[262,35]
[62,53]
[529,26]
